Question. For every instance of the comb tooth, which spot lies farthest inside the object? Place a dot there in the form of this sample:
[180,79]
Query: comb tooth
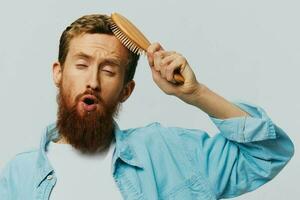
[126,43]
[113,25]
[131,45]
[131,50]
[134,48]
[122,36]
[117,31]
[137,51]
[142,52]
[125,40]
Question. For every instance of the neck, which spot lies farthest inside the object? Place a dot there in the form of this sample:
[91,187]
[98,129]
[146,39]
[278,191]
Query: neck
[62,140]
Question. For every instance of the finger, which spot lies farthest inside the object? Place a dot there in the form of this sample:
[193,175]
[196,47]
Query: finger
[167,70]
[168,59]
[158,79]
[167,53]
[170,70]
[162,83]
[156,76]
[175,66]
[157,60]
[154,47]
[163,70]
[150,59]
[160,65]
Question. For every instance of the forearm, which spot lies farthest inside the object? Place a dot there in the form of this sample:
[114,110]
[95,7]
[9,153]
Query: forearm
[213,104]
[163,66]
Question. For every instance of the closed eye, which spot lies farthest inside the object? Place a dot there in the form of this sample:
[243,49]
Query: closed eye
[108,72]
[108,69]
[81,66]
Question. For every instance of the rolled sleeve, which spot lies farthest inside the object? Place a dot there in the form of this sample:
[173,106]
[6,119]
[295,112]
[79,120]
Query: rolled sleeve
[256,127]
[247,153]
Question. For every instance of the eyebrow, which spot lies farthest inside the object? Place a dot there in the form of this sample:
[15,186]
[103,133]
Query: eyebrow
[83,55]
[111,60]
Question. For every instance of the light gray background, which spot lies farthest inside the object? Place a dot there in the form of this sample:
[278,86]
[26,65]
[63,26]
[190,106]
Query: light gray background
[244,50]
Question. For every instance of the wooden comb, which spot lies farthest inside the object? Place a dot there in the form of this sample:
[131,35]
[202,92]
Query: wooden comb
[132,38]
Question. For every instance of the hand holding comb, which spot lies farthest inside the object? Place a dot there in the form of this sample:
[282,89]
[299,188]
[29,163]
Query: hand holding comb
[133,38]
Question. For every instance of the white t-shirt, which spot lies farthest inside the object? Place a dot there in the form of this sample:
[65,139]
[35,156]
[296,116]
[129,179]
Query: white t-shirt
[81,176]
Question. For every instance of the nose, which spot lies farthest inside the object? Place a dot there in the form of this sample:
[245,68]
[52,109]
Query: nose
[93,81]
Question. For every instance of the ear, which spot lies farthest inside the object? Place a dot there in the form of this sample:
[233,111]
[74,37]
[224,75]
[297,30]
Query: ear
[127,90]
[57,73]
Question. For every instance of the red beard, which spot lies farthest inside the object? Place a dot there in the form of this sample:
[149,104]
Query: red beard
[90,132]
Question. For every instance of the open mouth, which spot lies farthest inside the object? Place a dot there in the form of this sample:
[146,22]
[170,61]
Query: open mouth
[89,101]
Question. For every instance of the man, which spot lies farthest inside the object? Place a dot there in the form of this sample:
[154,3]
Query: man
[85,155]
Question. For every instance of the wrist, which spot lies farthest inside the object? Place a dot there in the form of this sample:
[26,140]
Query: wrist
[195,95]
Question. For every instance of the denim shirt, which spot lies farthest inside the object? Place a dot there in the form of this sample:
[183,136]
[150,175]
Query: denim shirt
[157,162]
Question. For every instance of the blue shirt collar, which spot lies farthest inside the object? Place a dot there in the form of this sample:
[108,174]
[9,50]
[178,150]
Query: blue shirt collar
[123,151]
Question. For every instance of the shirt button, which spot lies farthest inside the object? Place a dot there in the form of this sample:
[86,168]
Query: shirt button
[49,177]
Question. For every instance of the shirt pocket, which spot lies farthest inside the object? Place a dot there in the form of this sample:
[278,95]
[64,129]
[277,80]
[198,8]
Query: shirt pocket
[194,188]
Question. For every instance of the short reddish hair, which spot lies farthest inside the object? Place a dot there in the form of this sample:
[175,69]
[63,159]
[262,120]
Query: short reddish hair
[95,23]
